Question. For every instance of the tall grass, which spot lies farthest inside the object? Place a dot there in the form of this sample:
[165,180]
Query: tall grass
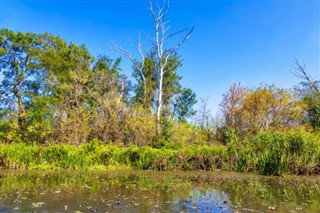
[267,153]
[277,153]
[95,155]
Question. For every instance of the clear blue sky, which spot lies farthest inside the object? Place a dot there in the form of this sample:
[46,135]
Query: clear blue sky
[252,41]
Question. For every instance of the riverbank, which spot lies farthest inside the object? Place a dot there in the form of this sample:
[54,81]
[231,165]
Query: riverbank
[267,153]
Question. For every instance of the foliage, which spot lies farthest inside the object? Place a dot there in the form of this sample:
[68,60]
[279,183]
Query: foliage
[60,108]
[19,69]
[311,100]
[277,153]
[55,91]
[146,87]
[139,128]
[226,135]
[232,104]
[268,153]
[183,105]
[313,112]
[186,134]
[264,108]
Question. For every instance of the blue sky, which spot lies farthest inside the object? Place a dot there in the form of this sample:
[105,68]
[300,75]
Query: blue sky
[251,41]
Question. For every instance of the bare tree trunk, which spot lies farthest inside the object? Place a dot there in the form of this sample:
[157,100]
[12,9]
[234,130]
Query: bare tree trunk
[122,91]
[20,109]
[144,92]
[160,101]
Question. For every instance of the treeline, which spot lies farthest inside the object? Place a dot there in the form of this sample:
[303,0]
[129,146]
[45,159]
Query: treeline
[248,111]
[53,91]
[57,94]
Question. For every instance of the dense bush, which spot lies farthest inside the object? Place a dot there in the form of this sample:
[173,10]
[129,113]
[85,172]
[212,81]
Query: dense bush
[277,153]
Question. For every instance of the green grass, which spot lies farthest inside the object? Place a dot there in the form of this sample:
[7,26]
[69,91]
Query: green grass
[99,156]
[277,153]
[267,153]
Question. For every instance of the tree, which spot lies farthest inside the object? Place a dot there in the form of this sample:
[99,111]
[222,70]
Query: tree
[145,89]
[162,52]
[183,106]
[142,72]
[69,79]
[266,107]
[171,82]
[269,107]
[310,93]
[56,91]
[303,74]
[107,92]
[231,106]
[155,72]
[20,69]
[203,114]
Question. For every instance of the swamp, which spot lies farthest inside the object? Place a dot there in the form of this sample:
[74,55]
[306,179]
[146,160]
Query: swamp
[220,113]
[155,191]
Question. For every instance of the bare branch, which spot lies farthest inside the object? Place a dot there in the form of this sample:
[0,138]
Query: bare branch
[187,36]
[125,52]
[152,11]
[171,50]
[174,34]
[139,49]
[302,74]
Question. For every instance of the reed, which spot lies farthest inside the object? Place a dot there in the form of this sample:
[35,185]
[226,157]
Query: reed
[267,153]
[277,153]
[97,155]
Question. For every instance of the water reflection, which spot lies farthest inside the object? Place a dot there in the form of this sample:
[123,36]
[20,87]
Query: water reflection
[209,201]
[147,191]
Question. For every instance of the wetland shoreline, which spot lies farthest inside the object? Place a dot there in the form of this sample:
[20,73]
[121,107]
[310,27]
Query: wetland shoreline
[296,153]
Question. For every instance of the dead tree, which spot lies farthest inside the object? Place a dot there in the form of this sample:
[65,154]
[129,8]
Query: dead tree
[161,50]
[138,65]
[302,74]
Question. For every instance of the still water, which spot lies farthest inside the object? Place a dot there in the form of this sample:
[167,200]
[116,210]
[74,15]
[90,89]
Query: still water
[152,191]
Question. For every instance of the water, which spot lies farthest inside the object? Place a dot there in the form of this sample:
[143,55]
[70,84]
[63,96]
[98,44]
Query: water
[152,191]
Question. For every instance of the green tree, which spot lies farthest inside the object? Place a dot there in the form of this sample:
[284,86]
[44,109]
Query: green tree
[20,69]
[171,82]
[183,106]
[108,92]
[67,81]
[145,88]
